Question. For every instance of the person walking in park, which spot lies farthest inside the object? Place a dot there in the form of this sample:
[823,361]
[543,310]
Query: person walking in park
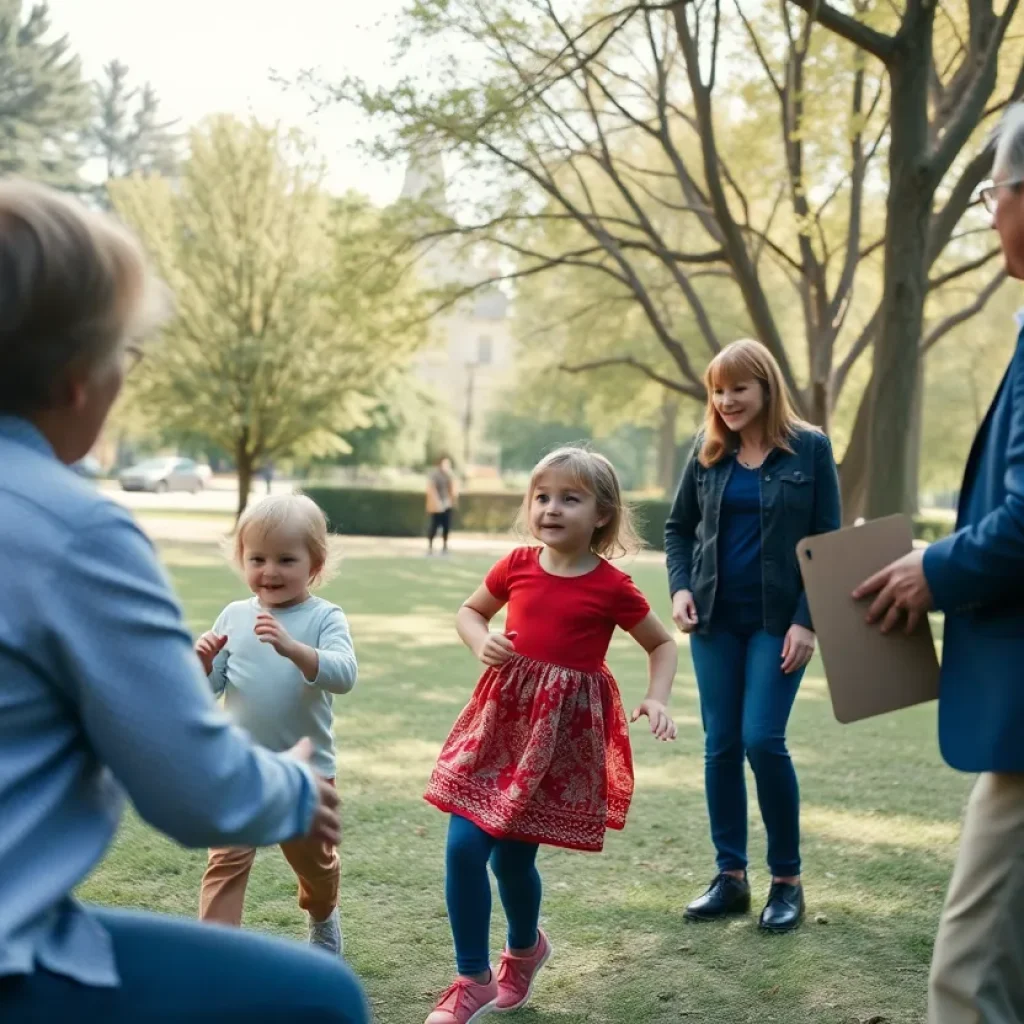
[102,693]
[758,481]
[976,577]
[442,497]
[541,753]
[279,658]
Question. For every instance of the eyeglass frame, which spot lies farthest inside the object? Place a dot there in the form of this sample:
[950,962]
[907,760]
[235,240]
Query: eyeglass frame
[133,356]
[987,192]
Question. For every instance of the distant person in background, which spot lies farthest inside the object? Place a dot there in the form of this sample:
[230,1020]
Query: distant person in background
[268,475]
[101,693]
[976,576]
[442,497]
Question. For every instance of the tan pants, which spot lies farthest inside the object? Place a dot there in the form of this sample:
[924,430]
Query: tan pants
[978,967]
[316,865]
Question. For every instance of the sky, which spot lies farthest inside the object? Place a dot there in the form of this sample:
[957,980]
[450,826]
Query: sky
[217,56]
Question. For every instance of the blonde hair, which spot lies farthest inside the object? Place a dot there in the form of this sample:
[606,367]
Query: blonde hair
[289,511]
[593,473]
[740,361]
[74,287]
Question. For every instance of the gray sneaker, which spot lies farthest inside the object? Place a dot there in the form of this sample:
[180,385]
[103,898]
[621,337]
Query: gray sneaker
[327,935]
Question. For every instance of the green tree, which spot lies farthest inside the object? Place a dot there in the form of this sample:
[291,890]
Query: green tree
[401,429]
[287,318]
[44,102]
[524,438]
[128,133]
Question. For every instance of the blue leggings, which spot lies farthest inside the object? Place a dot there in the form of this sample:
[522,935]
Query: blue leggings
[468,892]
[175,970]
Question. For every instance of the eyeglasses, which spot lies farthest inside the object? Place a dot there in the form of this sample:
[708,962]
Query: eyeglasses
[988,192]
[132,357]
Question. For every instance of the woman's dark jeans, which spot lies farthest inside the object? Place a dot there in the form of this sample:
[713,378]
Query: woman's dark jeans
[745,702]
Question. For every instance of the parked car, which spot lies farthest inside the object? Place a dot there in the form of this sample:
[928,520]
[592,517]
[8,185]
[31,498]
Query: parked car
[161,475]
[89,467]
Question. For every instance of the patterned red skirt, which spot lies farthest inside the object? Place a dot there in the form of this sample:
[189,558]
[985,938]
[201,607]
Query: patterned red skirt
[540,754]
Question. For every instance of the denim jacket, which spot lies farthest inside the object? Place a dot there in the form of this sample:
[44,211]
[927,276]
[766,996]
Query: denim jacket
[799,498]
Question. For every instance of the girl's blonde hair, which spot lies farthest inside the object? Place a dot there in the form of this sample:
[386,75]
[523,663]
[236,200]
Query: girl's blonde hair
[740,361]
[593,473]
[295,512]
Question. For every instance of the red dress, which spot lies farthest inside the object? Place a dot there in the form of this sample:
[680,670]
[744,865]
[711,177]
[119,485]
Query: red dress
[541,751]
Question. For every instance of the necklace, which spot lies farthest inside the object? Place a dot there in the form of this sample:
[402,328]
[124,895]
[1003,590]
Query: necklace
[749,464]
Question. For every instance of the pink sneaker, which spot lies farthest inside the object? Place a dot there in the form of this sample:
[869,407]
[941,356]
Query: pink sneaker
[465,1002]
[517,974]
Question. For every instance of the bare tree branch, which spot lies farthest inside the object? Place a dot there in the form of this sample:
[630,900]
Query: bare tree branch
[577,314]
[857,349]
[975,96]
[942,328]
[857,174]
[861,35]
[945,220]
[756,43]
[964,268]
[733,239]
[600,364]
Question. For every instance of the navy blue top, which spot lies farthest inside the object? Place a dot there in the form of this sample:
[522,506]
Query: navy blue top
[739,601]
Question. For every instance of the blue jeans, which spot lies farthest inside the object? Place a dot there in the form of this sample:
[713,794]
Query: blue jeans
[745,702]
[175,970]
[468,892]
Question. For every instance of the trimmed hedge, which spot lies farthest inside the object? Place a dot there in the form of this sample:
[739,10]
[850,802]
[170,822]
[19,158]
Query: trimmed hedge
[367,512]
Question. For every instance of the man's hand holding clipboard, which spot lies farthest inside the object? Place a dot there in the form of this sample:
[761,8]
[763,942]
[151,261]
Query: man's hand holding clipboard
[870,670]
[902,591]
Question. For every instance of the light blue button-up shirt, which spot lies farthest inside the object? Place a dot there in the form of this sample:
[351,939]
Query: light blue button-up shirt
[102,695]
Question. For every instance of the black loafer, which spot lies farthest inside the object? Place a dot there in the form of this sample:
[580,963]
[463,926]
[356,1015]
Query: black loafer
[726,895]
[785,908]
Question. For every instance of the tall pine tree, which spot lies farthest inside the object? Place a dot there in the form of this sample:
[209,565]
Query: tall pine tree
[128,134]
[44,102]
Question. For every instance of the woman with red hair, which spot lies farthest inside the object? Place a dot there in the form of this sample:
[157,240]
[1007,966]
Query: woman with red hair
[759,480]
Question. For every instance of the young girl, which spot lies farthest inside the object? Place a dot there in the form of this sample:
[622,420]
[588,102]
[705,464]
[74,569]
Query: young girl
[541,753]
[279,658]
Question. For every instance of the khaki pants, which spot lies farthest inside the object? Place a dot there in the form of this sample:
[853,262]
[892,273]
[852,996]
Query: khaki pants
[316,865]
[978,967]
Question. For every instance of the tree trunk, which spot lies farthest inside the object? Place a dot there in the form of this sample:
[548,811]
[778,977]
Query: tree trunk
[896,357]
[819,391]
[819,404]
[667,447]
[911,498]
[853,471]
[244,462]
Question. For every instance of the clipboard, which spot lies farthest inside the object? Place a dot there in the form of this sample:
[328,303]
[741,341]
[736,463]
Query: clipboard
[868,673]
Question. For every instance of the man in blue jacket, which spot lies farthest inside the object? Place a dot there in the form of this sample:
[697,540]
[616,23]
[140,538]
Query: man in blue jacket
[976,576]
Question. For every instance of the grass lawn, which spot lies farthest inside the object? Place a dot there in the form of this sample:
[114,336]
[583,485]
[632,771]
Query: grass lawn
[880,820]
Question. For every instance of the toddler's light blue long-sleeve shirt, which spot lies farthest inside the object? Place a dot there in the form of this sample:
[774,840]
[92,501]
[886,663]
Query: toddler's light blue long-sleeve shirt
[267,694]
